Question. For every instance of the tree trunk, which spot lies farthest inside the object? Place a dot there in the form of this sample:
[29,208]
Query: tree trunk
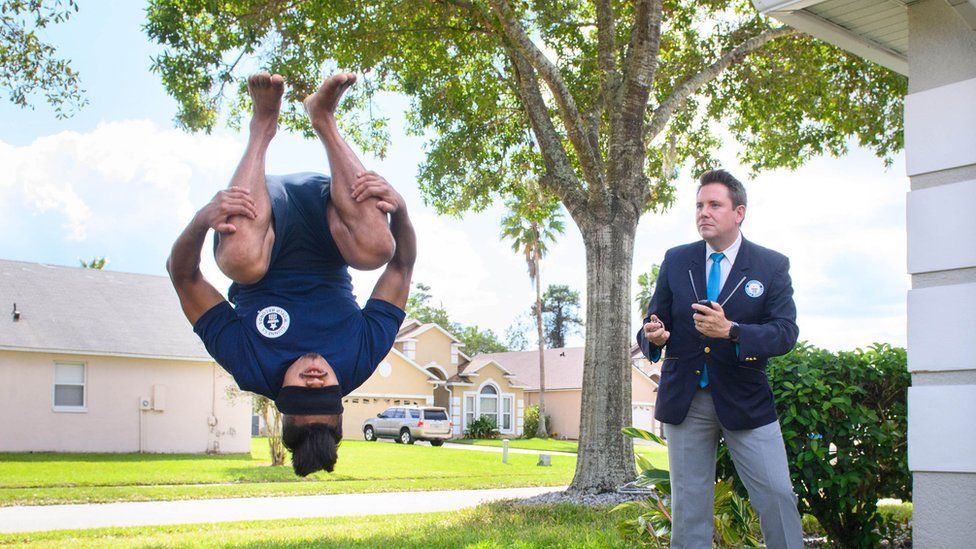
[542,430]
[272,418]
[606,457]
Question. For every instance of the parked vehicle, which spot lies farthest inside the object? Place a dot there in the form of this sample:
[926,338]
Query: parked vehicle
[407,424]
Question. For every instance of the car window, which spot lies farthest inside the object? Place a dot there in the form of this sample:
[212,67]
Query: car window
[388,413]
[398,413]
[414,414]
[435,415]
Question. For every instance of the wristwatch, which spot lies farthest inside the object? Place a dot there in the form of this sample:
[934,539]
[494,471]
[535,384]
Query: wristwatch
[734,332]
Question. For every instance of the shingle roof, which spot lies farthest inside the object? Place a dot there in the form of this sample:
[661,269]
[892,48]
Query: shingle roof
[86,311]
[564,367]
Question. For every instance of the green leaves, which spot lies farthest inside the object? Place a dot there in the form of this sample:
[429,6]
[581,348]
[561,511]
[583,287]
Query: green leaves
[634,432]
[844,421]
[30,66]
[786,102]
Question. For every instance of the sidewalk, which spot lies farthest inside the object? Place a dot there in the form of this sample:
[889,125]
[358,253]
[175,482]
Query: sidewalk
[498,449]
[71,517]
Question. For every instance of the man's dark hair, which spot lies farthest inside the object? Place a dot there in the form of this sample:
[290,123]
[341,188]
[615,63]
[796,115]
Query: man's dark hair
[314,446]
[737,192]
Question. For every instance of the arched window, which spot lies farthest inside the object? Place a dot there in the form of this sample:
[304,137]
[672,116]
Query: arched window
[489,403]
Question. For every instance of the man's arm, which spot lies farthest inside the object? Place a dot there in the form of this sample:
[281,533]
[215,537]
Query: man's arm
[394,284]
[654,334]
[198,296]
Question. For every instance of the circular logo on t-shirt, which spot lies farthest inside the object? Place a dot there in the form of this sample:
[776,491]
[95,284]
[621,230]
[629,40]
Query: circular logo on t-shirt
[273,321]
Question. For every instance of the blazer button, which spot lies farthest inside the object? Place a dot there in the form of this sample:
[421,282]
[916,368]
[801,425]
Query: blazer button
[708,349]
[697,372]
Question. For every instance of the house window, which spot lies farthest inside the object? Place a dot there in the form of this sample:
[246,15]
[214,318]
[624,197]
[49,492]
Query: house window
[506,413]
[489,403]
[454,354]
[69,387]
[410,349]
[468,410]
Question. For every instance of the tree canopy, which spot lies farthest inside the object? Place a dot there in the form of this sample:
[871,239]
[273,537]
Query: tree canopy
[560,314]
[30,66]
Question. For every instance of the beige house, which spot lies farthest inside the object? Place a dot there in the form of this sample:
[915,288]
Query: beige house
[564,386]
[427,367]
[101,361]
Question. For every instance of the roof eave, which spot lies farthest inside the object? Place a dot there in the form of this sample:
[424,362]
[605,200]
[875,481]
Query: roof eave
[792,13]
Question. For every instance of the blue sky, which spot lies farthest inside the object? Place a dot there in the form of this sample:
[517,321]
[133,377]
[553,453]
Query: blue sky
[118,180]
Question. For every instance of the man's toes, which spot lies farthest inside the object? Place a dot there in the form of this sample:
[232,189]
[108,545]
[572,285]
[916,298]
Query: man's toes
[259,79]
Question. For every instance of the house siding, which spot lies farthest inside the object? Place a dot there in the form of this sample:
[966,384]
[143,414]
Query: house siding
[199,414]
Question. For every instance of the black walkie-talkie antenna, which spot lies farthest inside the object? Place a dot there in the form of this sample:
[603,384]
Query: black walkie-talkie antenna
[732,293]
[692,279]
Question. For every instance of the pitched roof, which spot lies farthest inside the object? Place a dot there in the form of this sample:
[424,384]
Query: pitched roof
[416,331]
[564,367]
[86,311]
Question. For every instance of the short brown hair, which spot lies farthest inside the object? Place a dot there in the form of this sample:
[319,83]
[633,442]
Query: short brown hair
[737,192]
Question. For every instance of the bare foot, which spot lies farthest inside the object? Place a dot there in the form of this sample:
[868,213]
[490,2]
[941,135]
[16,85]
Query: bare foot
[321,105]
[266,91]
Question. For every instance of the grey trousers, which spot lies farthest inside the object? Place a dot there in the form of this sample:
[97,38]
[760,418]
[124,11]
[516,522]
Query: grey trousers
[759,456]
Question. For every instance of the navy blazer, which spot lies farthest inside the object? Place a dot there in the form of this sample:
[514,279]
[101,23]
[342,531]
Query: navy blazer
[762,304]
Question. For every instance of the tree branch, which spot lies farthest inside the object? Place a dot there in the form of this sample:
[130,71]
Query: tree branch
[561,178]
[590,160]
[606,47]
[641,63]
[678,96]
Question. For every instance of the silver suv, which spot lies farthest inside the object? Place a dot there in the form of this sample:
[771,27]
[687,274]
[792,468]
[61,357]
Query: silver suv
[407,424]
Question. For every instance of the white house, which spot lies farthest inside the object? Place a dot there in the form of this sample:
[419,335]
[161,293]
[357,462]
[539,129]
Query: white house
[102,361]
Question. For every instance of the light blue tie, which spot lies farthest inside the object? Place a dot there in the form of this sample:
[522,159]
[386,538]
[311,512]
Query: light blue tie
[714,287]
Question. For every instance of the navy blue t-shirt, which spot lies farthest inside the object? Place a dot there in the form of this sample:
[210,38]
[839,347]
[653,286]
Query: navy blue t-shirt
[303,304]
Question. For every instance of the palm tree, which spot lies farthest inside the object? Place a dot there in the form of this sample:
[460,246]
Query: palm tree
[532,222]
[97,263]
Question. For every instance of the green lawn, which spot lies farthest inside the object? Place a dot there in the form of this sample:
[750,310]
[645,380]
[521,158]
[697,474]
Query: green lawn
[48,478]
[487,526]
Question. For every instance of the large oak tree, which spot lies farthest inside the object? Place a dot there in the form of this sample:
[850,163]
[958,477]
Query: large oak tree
[602,101]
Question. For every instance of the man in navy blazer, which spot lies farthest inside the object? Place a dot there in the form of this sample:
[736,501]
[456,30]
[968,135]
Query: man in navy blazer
[713,380]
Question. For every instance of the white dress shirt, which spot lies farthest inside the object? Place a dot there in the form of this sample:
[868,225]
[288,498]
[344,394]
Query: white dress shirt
[727,261]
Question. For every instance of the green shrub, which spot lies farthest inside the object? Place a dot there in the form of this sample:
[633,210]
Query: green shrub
[844,420]
[531,422]
[483,427]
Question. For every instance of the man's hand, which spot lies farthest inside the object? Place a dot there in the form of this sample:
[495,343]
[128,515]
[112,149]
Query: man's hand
[225,204]
[373,185]
[655,333]
[711,321]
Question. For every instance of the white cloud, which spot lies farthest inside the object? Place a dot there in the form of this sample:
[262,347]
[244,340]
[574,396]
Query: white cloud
[127,177]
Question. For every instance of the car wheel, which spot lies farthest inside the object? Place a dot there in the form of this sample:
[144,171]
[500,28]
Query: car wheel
[368,434]
[437,443]
[405,437]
